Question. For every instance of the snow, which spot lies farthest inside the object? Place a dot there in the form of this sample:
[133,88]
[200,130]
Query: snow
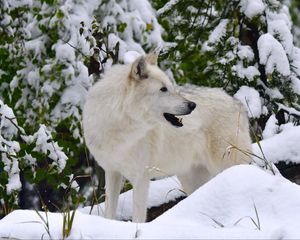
[252,8]
[9,148]
[274,93]
[281,14]
[45,144]
[64,51]
[272,54]
[162,191]
[271,127]
[296,84]
[14,182]
[167,7]
[74,94]
[290,110]
[222,208]
[296,61]
[226,206]
[249,97]
[249,72]
[130,56]
[7,121]
[245,52]
[280,29]
[36,46]
[141,27]
[218,32]
[295,77]
[284,146]
[144,7]
[33,77]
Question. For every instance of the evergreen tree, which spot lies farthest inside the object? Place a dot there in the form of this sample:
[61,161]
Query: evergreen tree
[294,7]
[131,26]
[51,52]
[245,47]
[44,80]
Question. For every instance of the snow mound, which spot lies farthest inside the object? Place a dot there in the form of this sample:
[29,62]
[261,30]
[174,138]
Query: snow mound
[222,208]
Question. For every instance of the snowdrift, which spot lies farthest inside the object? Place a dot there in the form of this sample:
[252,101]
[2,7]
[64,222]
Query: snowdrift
[241,202]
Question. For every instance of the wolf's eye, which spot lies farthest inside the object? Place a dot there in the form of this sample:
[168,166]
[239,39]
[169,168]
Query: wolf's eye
[164,89]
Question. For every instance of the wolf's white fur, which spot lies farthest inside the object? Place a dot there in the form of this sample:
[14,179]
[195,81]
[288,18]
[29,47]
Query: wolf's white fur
[127,134]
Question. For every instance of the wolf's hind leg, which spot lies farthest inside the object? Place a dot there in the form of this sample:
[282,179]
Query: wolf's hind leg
[113,185]
[194,178]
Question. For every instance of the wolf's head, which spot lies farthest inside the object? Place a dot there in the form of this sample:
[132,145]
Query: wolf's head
[155,92]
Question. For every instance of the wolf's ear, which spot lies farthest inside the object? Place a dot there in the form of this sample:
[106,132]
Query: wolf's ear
[151,58]
[139,69]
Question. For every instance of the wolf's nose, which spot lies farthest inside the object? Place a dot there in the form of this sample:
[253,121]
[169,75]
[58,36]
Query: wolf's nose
[192,105]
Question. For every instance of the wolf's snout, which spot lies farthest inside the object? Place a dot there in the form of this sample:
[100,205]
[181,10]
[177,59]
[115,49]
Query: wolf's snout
[191,105]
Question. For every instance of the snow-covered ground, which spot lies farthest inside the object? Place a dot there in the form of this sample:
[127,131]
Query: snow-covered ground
[241,202]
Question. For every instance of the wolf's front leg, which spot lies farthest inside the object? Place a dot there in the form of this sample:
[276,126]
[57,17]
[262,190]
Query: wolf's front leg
[113,185]
[140,196]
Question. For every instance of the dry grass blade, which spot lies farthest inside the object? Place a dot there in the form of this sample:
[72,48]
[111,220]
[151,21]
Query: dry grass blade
[46,222]
[256,223]
[256,214]
[137,232]
[252,220]
[175,189]
[68,220]
[251,155]
[267,163]
[214,220]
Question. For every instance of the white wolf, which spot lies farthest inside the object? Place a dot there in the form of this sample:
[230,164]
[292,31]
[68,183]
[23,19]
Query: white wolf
[131,128]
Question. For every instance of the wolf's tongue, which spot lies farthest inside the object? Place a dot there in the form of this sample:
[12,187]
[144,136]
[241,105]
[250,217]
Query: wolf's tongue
[173,120]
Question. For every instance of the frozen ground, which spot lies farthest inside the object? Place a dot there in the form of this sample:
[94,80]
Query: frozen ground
[241,202]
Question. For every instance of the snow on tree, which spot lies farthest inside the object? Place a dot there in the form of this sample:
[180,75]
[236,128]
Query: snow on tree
[51,80]
[233,44]
[49,50]
[10,183]
[18,153]
[294,7]
[44,80]
[130,26]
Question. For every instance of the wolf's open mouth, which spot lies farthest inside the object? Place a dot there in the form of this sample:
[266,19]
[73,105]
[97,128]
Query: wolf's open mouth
[177,122]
